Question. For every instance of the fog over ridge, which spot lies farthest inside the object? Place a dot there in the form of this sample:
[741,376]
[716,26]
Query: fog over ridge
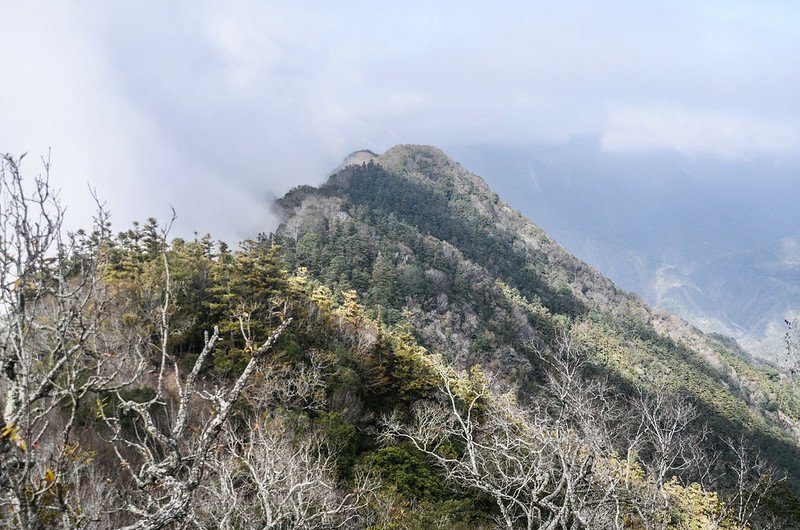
[215,108]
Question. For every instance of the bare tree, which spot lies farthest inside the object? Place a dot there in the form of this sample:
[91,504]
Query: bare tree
[299,385]
[792,341]
[535,470]
[166,464]
[61,349]
[753,479]
[578,455]
[666,420]
[603,422]
[654,431]
[53,353]
[265,476]
[667,444]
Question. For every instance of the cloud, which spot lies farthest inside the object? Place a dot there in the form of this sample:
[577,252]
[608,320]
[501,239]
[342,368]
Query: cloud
[66,90]
[726,135]
[213,108]
[53,94]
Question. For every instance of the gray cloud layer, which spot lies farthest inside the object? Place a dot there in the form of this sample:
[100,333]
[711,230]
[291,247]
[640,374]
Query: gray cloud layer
[213,107]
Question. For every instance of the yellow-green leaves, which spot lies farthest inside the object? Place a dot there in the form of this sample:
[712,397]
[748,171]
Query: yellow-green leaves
[11,432]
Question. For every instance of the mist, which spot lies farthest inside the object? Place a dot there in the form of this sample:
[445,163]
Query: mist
[216,109]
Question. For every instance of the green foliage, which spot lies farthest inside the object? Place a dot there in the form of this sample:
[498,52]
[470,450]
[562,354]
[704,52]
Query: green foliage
[212,286]
[451,514]
[383,289]
[694,508]
[342,435]
[435,209]
[415,241]
[406,473]
[411,374]
[784,501]
[419,234]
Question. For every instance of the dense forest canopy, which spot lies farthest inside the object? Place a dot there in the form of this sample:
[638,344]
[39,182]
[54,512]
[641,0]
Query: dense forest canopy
[404,352]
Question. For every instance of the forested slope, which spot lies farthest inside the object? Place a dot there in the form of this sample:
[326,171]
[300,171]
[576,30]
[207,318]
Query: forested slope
[405,352]
[415,232]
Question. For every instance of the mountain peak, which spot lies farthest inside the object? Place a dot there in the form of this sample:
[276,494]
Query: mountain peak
[401,155]
[423,164]
[421,158]
[425,240]
[411,151]
[356,158]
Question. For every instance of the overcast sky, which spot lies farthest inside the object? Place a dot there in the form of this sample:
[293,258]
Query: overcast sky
[214,107]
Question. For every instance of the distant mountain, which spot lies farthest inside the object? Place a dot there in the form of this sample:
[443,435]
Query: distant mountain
[747,292]
[710,240]
[423,239]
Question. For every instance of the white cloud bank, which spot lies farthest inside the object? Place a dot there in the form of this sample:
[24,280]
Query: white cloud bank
[212,107]
[727,135]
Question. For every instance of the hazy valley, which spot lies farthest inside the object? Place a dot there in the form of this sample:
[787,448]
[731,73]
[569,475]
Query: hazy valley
[711,240]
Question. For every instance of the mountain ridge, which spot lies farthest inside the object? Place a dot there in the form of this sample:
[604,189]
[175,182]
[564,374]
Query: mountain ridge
[429,359]
[397,158]
[422,242]
[516,279]
[662,210]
